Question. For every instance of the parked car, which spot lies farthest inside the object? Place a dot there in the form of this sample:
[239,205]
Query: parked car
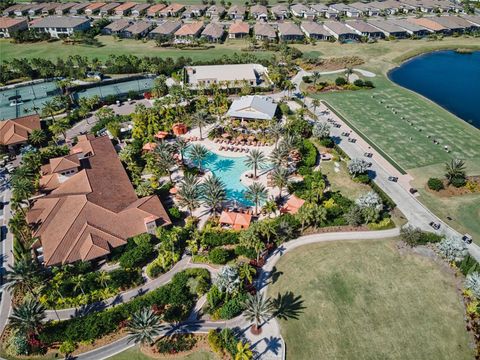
[352,140]
[413,190]
[467,238]
[434,225]
[393,178]
[345,134]
[368,155]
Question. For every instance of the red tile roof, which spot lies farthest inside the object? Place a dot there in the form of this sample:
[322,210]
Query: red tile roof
[16,131]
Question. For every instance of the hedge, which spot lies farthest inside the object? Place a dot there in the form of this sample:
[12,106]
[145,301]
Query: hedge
[309,154]
[385,198]
[214,238]
[219,256]
[95,325]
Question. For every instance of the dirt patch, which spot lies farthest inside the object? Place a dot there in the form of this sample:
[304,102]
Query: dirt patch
[330,229]
[472,187]
[334,63]
[201,345]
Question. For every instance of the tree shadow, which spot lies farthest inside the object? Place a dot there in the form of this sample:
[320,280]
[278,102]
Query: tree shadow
[223,165]
[288,306]
[272,344]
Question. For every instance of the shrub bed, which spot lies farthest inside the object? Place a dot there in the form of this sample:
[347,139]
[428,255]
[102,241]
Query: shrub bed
[435,184]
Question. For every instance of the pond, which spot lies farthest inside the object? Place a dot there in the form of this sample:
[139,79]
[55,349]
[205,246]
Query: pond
[449,78]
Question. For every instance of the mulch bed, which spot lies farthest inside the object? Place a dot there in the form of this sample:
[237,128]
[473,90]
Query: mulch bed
[451,190]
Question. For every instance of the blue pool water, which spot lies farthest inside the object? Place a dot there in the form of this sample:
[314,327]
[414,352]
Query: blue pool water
[448,78]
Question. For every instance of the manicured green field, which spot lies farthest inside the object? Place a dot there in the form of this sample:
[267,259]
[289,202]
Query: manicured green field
[364,300]
[53,50]
[383,115]
[135,354]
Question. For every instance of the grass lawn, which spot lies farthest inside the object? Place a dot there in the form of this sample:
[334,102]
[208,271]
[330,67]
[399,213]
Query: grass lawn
[366,300]
[53,50]
[134,353]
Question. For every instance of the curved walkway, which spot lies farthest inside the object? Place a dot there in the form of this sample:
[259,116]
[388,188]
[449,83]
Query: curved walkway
[125,296]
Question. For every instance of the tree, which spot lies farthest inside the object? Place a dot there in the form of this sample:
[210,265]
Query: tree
[201,119]
[354,216]
[189,192]
[455,169]
[315,77]
[370,205]
[60,127]
[22,189]
[256,193]
[257,310]
[67,348]
[311,215]
[103,278]
[280,179]
[321,130]
[267,229]
[27,317]
[279,155]
[160,87]
[249,239]
[453,249]
[214,194]
[23,276]
[78,282]
[49,109]
[289,86]
[246,272]
[255,159]
[472,283]
[357,167]
[144,327]
[37,137]
[348,72]
[198,153]
[316,103]
[276,130]
[114,129]
[243,351]
[227,280]
[164,157]
[180,146]
[270,207]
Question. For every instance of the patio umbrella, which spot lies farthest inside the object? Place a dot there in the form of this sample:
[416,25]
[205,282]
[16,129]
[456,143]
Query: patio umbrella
[161,135]
[173,191]
[227,217]
[225,135]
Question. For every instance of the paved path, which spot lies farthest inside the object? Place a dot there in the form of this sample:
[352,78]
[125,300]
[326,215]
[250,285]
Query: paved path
[6,253]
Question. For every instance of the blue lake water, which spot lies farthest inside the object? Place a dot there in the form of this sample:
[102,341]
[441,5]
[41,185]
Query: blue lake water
[448,78]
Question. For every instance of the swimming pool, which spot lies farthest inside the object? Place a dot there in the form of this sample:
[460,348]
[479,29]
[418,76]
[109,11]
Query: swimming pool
[229,170]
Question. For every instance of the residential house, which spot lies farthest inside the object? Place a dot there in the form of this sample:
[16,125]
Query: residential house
[165,30]
[289,31]
[320,10]
[238,29]
[94,8]
[237,12]
[15,132]
[78,8]
[474,20]
[232,75]
[314,30]
[280,12]
[194,11]
[172,10]
[58,26]
[390,7]
[35,9]
[410,28]
[154,10]
[109,9]
[389,29]
[49,9]
[300,10]
[116,27]
[429,24]
[331,14]
[97,202]
[215,12]
[22,10]
[188,32]
[366,9]
[64,8]
[363,28]
[213,32]
[252,107]
[259,12]
[9,26]
[137,30]
[140,10]
[9,11]
[454,24]
[340,31]
[264,32]
[125,8]
[345,10]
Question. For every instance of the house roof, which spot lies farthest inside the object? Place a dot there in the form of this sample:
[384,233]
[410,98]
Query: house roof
[138,27]
[237,9]
[172,8]
[6,22]
[279,9]
[293,205]
[216,9]
[427,23]
[472,19]
[95,6]
[167,27]
[152,10]
[60,21]
[16,131]
[407,25]
[289,28]
[141,7]
[227,217]
[236,219]
[264,29]
[118,25]
[312,27]
[213,30]
[92,211]
[109,7]
[452,22]
[79,6]
[125,6]
[239,27]
[253,107]
[258,9]
[190,29]
[363,6]
[226,72]
[66,6]
[338,27]
[299,8]
[362,26]
[64,163]
[319,7]
[384,25]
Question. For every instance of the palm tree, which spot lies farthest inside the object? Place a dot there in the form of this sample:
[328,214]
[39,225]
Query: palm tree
[455,169]
[270,206]
[255,159]
[250,240]
[315,77]
[316,103]
[214,194]
[348,72]
[280,179]
[189,192]
[289,87]
[256,193]
[22,189]
[257,310]
[246,272]
[60,127]
[78,282]
[28,316]
[267,229]
[276,130]
[200,119]
[37,137]
[144,327]
[243,351]
[306,214]
[180,146]
[22,276]
[198,153]
[49,108]
[103,278]
[279,156]
[164,157]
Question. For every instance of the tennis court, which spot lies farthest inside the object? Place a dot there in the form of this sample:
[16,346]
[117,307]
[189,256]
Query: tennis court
[116,89]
